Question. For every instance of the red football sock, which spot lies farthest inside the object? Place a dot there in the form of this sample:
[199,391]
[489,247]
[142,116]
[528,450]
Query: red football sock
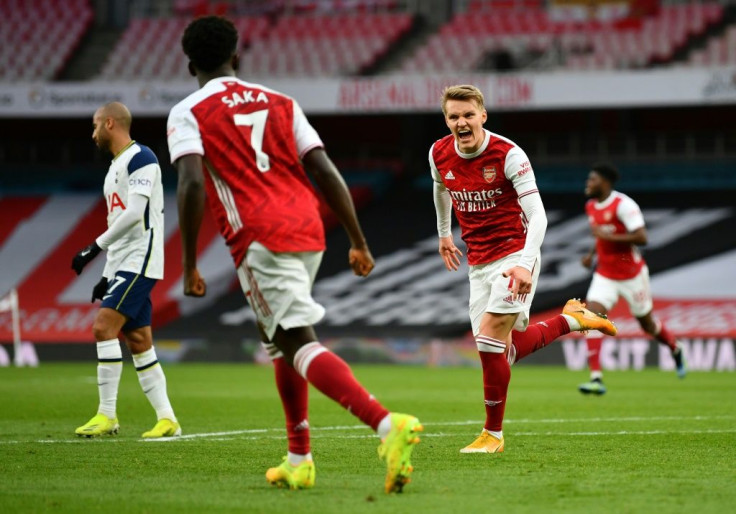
[294,393]
[538,336]
[496,378]
[665,336]
[334,378]
[594,353]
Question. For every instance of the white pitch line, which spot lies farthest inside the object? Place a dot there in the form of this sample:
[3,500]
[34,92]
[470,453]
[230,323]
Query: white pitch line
[521,434]
[217,434]
[223,435]
[452,423]
[587,420]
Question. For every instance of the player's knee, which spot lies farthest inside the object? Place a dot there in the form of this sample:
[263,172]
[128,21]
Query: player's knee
[102,331]
[138,346]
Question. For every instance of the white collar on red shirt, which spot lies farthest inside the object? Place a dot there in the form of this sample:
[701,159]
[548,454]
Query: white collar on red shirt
[605,203]
[478,151]
[223,78]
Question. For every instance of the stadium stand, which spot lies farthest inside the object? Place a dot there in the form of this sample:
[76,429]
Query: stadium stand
[325,45]
[328,38]
[311,44]
[37,37]
[150,48]
[464,42]
[719,51]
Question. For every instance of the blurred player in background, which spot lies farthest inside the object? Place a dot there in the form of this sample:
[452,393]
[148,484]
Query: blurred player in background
[489,184]
[618,226]
[135,262]
[248,147]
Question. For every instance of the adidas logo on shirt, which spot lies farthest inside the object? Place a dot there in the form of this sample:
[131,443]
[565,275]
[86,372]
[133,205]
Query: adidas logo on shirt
[449,175]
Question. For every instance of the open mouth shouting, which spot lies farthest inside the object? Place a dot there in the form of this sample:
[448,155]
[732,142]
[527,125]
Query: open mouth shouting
[464,136]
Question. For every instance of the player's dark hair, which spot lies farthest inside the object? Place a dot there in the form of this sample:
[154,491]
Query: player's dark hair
[209,42]
[607,171]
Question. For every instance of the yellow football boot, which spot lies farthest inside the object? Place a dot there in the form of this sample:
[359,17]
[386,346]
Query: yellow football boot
[301,476]
[164,428]
[98,425]
[589,320]
[485,443]
[396,450]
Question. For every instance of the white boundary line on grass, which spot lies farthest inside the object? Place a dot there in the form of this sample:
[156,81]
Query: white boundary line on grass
[263,432]
[444,434]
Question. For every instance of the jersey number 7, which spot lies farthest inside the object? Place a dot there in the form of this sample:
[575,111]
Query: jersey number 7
[257,120]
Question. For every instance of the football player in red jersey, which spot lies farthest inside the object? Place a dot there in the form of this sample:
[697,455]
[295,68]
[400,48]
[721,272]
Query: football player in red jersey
[488,182]
[618,226]
[250,148]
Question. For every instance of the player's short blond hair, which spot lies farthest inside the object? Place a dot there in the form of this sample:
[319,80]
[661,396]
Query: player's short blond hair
[465,92]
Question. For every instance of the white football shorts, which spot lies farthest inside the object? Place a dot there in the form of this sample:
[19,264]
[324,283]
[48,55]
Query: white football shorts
[278,287]
[635,291]
[489,291]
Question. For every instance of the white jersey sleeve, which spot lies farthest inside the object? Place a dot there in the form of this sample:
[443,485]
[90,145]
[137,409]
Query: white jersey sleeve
[132,215]
[442,200]
[304,134]
[141,180]
[519,171]
[629,213]
[182,133]
[433,167]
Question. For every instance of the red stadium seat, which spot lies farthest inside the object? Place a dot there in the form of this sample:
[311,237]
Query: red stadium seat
[37,37]
[526,25]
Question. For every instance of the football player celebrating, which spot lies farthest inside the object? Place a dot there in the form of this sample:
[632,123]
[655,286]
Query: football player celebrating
[489,184]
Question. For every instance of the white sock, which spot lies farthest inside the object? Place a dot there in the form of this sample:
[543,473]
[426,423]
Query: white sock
[109,369]
[596,375]
[384,426]
[497,435]
[572,323]
[153,383]
[295,458]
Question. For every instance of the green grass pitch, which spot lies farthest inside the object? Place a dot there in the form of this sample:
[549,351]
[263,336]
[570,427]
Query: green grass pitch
[652,444]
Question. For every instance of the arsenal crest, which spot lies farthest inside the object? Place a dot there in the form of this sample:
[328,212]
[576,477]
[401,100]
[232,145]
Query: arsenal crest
[607,216]
[489,173]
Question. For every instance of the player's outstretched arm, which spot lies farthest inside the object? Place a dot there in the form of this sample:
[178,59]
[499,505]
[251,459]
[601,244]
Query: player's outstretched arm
[336,194]
[190,201]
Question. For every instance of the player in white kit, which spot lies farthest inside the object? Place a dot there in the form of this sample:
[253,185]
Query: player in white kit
[135,262]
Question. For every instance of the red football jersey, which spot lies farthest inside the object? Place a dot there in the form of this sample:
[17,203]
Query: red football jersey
[251,139]
[617,214]
[483,187]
